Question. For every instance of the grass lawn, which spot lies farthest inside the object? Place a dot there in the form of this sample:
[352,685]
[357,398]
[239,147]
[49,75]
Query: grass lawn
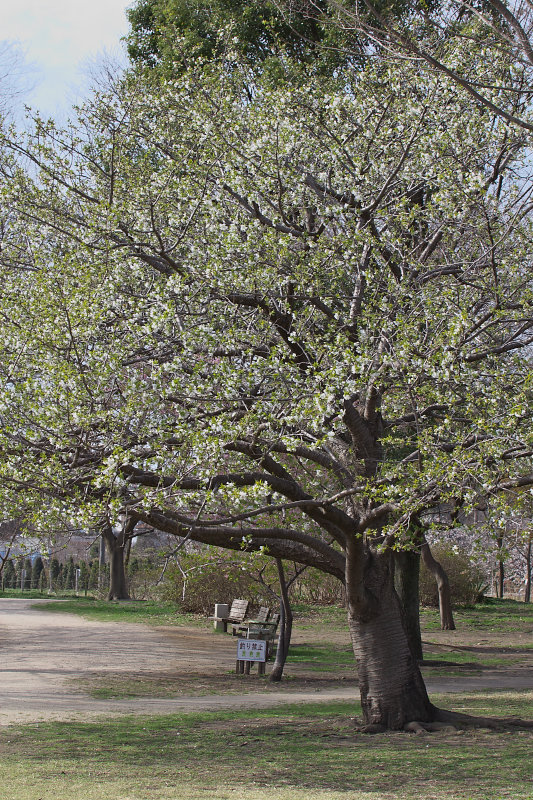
[493,615]
[147,612]
[304,752]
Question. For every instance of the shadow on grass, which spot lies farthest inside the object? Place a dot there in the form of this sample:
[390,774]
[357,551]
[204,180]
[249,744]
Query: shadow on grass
[312,746]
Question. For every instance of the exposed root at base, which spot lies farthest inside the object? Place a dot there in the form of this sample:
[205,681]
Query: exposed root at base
[460,720]
[450,722]
[427,727]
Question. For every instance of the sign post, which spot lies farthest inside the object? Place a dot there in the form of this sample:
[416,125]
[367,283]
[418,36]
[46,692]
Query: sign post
[251,651]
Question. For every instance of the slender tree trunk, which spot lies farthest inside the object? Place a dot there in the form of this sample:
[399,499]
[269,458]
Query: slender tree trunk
[501,569]
[4,559]
[406,582]
[101,560]
[285,626]
[527,594]
[443,585]
[127,553]
[391,685]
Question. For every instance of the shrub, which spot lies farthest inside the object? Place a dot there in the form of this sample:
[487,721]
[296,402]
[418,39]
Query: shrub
[467,580]
[318,588]
[208,580]
[143,576]
[83,580]
[211,576]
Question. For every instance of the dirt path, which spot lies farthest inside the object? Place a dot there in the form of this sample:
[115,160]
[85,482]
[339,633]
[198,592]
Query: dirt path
[44,657]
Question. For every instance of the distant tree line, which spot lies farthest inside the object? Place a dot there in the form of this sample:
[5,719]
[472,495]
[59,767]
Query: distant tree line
[54,575]
[59,576]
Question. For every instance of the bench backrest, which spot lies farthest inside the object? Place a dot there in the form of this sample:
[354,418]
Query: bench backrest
[238,610]
[264,630]
[274,620]
[263,614]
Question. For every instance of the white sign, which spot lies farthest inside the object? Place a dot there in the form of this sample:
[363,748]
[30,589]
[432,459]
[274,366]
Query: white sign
[251,650]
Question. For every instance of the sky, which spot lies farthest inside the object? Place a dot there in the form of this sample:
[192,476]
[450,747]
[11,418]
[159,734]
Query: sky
[60,39]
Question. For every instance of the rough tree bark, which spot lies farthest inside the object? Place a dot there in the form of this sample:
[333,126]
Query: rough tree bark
[443,585]
[406,582]
[391,685]
[115,545]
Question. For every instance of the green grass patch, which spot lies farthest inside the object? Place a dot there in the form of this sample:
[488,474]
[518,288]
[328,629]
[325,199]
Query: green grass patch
[505,616]
[465,660]
[323,657]
[122,686]
[147,612]
[33,594]
[310,752]
[307,616]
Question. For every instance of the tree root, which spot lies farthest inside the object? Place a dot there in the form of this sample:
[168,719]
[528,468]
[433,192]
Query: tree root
[460,720]
[452,720]
[426,727]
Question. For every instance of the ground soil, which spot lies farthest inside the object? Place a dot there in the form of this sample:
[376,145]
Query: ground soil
[49,662]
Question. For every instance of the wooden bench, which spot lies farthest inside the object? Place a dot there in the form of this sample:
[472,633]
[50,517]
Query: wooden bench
[236,615]
[262,617]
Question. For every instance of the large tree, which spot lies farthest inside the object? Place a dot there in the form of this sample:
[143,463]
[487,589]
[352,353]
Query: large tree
[293,322]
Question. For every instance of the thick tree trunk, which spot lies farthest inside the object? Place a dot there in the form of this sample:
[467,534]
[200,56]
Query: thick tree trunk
[118,588]
[285,627]
[391,685]
[406,582]
[447,622]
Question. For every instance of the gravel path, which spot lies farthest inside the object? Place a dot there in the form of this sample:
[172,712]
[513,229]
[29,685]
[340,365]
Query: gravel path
[44,655]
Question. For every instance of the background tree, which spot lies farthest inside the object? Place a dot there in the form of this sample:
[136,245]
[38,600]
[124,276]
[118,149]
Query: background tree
[26,574]
[93,577]
[9,575]
[69,574]
[8,533]
[177,35]
[54,573]
[84,577]
[37,568]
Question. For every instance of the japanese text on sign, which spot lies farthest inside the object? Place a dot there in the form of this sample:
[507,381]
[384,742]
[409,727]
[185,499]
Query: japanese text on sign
[251,650]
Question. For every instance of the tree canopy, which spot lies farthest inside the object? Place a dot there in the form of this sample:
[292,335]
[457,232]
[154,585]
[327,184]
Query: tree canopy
[178,33]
